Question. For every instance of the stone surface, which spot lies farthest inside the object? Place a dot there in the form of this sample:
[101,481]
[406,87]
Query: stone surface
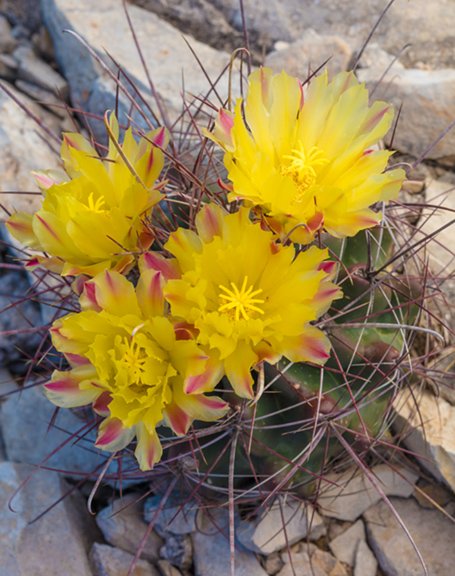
[311,560]
[346,496]
[166,568]
[31,413]
[109,561]
[432,533]
[365,562]
[122,526]
[176,519]
[310,52]
[428,429]
[19,313]
[106,31]
[178,550]
[345,545]
[7,40]
[8,67]
[266,534]
[23,148]
[442,248]
[212,552]
[421,23]
[22,12]
[43,97]
[428,107]
[60,538]
[32,69]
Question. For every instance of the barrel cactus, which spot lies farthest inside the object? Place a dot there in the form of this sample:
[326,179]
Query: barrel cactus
[244,317]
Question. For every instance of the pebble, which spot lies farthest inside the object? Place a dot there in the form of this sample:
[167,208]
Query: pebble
[344,546]
[346,496]
[60,538]
[266,533]
[109,561]
[365,562]
[432,532]
[122,526]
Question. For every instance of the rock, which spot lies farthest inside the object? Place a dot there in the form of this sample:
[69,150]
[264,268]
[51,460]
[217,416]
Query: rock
[8,67]
[174,519]
[432,533]
[440,249]
[266,534]
[200,18]
[32,69]
[7,40]
[212,552]
[365,562]
[273,564]
[43,97]
[441,371]
[23,12]
[109,561]
[122,526]
[346,496]
[178,550]
[309,52]
[311,560]
[428,430]
[344,546]
[428,107]
[24,147]
[166,568]
[101,25]
[31,413]
[60,538]
[429,493]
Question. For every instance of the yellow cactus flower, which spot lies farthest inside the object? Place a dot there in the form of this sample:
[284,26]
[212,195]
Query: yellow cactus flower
[92,215]
[132,364]
[248,297]
[305,157]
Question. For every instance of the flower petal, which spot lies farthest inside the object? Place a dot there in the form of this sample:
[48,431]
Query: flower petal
[311,346]
[238,370]
[148,450]
[112,436]
[112,292]
[64,390]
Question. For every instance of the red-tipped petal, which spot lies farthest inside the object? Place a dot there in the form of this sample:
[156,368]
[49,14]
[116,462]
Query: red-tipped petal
[178,419]
[101,404]
[154,261]
[209,222]
[112,436]
[64,391]
[148,450]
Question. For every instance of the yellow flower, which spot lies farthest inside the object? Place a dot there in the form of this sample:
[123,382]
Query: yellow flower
[306,157]
[249,298]
[92,216]
[128,361]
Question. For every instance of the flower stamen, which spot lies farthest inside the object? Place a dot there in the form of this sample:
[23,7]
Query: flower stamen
[242,302]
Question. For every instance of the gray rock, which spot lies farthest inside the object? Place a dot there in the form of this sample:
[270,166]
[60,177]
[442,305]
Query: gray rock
[432,533]
[428,430]
[60,538]
[32,69]
[43,97]
[310,52]
[178,550]
[166,568]
[20,155]
[19,314]
[122,526]
[309,559]
[22,12]
[346,496]
[8,67]
[283,524]
[345,546]
[365,562]
[7,40]
[428,99]
[102,25]
[176,519]
[25,419]
[109,561]
[212,552]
